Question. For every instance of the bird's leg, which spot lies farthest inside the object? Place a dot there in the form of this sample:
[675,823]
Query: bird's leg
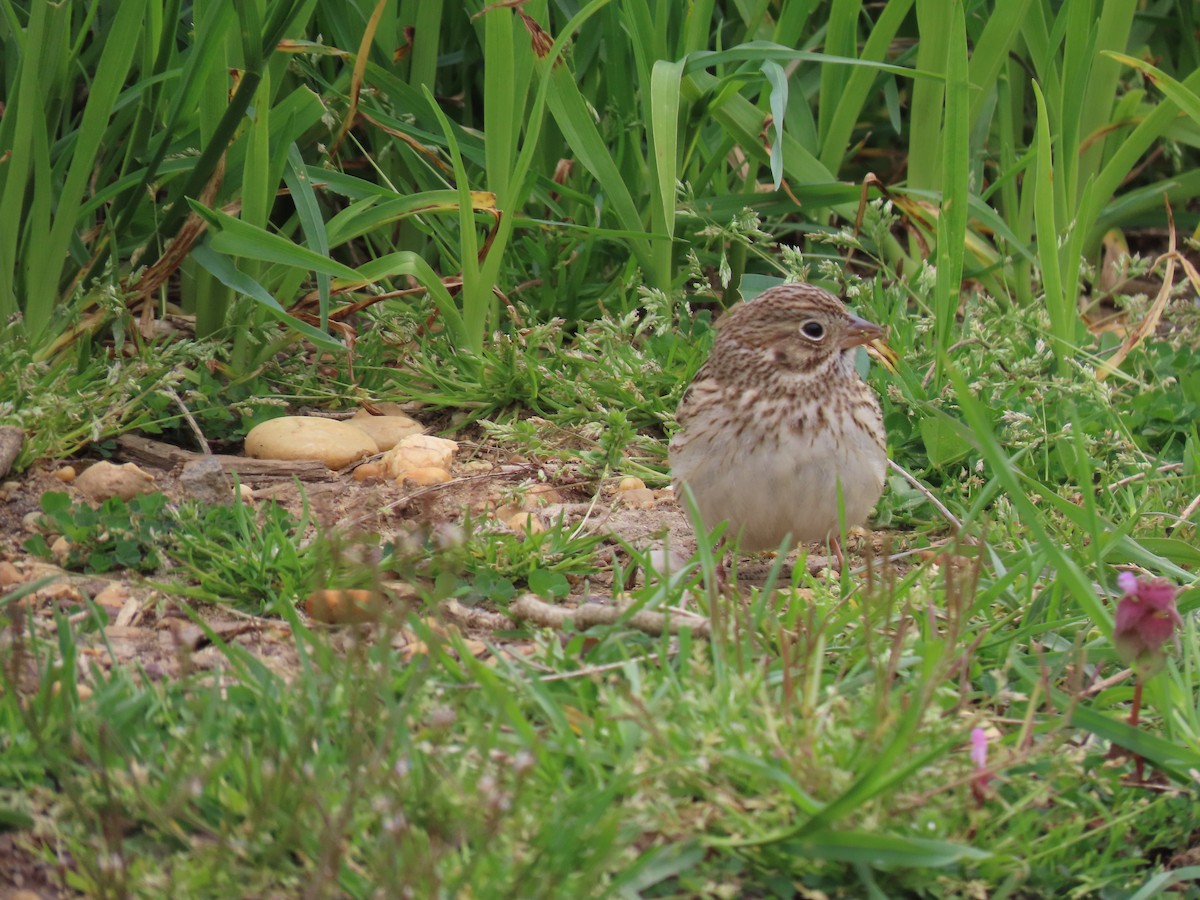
[720,553]
[836,546]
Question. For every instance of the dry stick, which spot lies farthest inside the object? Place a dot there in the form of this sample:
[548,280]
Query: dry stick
[927,494]
[589,671]
[1101,686]
[1137,476]
[1185,515]
[1143,328]
[474,617]
[187,417]
[530,608]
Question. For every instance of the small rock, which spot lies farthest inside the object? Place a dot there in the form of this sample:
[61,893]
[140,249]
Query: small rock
[206,481]
[343,607]
[637,498]
[12,439]
[60,550]
[525,521]
[425,476]
[387,431]
[66,474]
[104,480]
[368,470]
[419,451]
[388,408]
[60,592]
[186,635]
[9,575]
[114,595]
[334,443]
[540,495]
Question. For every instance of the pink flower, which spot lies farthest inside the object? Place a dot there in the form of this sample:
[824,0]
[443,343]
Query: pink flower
[979,781]
[979,745]
[1146,619]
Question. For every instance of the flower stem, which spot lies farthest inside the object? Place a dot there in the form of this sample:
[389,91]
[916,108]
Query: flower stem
[1139,764]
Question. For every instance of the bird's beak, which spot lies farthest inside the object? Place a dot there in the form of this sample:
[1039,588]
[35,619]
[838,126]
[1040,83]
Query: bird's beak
[861,332]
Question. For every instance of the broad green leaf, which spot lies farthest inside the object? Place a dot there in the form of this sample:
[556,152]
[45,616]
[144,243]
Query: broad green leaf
[223,269]
[884,849]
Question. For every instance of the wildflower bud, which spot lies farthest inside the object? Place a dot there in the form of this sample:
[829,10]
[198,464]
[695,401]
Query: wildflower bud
[979,748]
[1146,619]
[979,754]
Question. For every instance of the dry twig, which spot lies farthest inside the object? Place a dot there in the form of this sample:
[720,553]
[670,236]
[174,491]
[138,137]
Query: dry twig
[530,608]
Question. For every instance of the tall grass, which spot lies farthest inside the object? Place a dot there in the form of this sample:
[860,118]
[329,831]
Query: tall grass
[577,134]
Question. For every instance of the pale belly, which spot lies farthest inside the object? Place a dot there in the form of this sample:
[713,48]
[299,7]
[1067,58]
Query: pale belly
[773,489]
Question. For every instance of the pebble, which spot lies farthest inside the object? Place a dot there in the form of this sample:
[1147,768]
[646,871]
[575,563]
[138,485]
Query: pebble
[336,444]
[104,480]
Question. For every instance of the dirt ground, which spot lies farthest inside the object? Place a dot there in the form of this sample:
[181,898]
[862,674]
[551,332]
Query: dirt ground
[146,628]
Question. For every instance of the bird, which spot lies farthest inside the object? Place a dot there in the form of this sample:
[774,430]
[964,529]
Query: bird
[777,423]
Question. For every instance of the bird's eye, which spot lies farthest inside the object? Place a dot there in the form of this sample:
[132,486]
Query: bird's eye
[813,330]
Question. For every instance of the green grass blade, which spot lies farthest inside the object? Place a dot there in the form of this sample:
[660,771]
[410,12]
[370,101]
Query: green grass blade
[313,226]
[476,295]
[952,222]
[777,79]
[1002,469]
[841,39]
[238,238]
[925,125]
[1060,308]
[223,269]
[115,62]
[664,138]
[882,850]
[846,111]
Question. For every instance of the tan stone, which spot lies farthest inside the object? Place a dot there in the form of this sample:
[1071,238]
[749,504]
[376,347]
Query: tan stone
[386,431]
[9,574]
[334,443]
[368,470]
[637,498]
[426,475]
[525,521]
[343,606]
[419,451]
[104,480]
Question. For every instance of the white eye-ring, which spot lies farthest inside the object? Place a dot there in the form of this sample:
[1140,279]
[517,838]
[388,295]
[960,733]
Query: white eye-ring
[813,330]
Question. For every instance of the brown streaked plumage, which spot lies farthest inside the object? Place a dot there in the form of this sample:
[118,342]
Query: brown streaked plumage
[777,418]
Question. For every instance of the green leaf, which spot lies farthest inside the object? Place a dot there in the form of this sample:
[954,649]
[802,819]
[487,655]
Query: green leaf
[549,585]
[1171,758]
[884,850]
[237,238]
[14,820]
[223,269]
[56,504]
[37,546]
[1179,93]
[777,78]
[1182,553]
[943,442]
